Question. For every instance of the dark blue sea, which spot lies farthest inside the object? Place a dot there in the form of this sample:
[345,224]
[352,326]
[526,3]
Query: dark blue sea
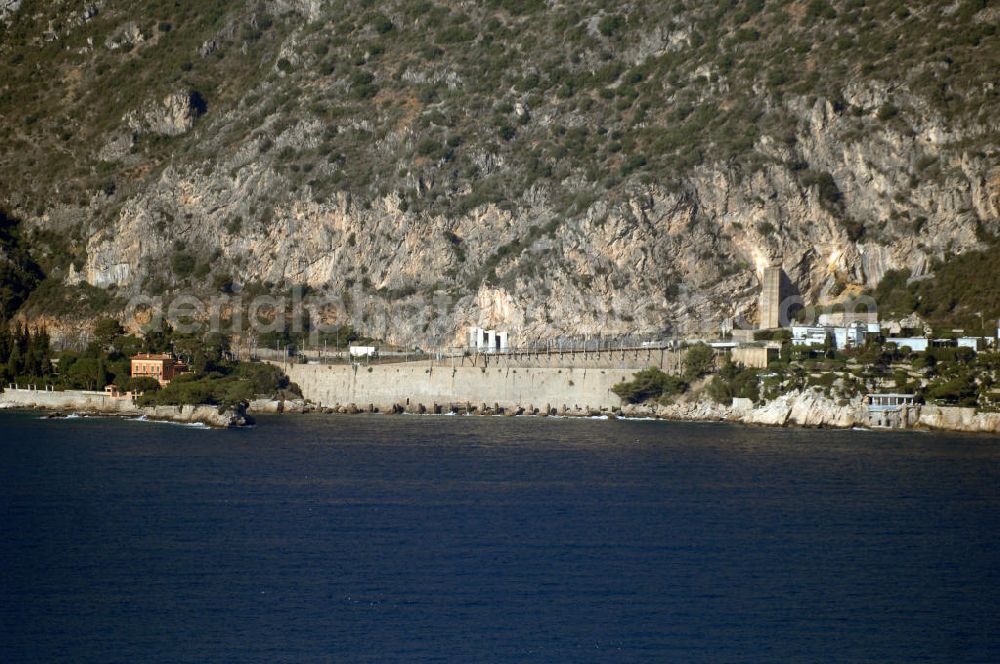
[461,539]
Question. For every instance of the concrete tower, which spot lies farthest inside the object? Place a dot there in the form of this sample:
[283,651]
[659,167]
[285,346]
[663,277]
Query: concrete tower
[770,298]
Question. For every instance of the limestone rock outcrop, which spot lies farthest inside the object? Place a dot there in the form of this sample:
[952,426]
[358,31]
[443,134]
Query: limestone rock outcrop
[173,115]
[959,419]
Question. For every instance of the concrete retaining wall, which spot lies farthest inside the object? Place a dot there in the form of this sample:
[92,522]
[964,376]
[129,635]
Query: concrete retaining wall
[420,383]
[98,402]
[67,400]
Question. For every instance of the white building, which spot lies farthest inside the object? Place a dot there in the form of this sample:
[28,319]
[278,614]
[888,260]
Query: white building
[845,336]
[892,411]
[850,335]
[970,342]
[488,341]
[916,344]
[362,351]
[808,335]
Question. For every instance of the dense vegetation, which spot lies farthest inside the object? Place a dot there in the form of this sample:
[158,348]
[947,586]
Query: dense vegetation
[224,384]
[18,271]
[26,358]
[651,384]
[947,376]
[734,382]
[964,292]
[24,355]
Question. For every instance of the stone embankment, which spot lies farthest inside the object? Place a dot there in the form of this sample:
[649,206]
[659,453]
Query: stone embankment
[83,401]
[411,384]
[809,408]
[419,389]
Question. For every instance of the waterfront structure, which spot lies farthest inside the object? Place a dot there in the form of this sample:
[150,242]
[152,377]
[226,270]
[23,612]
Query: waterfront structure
[892,411]
[164,367]
[112,392]
[770,298]
[488,341]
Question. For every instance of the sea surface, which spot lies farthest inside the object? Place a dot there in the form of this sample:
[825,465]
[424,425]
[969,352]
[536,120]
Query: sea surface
[464,539]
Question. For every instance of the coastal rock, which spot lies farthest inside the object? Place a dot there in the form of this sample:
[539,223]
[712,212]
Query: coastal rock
[958,419]
[208,415]
[810,408]
[269,406]
[100,403]
[696,411]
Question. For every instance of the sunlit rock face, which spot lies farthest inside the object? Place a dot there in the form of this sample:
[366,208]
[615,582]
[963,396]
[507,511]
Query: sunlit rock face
[629,176]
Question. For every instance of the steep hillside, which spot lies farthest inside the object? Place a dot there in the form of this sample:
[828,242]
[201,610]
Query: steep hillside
[545,167]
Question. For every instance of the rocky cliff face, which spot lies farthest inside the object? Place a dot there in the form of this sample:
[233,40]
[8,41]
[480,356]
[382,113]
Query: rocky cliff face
[811,408]
[808,408]
[628,171]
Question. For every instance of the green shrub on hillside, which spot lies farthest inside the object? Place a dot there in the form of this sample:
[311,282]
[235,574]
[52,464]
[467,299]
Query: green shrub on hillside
[648,385]
[736,382]
[963,292]
[699,360]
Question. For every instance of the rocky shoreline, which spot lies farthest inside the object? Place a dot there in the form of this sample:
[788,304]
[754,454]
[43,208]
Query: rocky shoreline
[806,409]
[178,415]
[96,403]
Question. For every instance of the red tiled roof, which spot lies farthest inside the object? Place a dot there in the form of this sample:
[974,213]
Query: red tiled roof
[153,356]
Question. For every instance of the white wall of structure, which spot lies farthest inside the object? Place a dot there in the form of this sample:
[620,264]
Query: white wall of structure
[916,344]
[806,335]
[843,337]
[488,341]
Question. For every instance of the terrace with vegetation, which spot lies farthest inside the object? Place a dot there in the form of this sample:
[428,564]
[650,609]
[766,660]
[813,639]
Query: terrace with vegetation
[939,376]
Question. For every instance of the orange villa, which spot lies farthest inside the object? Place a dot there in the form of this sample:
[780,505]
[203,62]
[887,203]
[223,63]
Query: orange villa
[163,367]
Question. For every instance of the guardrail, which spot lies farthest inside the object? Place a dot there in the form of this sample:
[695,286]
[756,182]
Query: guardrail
[341,355]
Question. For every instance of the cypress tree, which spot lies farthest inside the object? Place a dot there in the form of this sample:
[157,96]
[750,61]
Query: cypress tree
[15,363]
[21,339]
[5,344]
[102,375]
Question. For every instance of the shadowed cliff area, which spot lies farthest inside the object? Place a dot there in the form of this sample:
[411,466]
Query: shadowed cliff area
[18,272]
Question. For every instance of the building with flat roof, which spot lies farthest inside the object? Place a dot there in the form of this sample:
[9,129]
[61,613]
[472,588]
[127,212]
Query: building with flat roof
[488,341]
[163,367]
[851,335]
[810,335]
[915,344]
[891,411]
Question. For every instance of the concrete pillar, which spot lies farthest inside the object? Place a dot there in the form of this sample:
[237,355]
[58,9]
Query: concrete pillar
[770,298]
